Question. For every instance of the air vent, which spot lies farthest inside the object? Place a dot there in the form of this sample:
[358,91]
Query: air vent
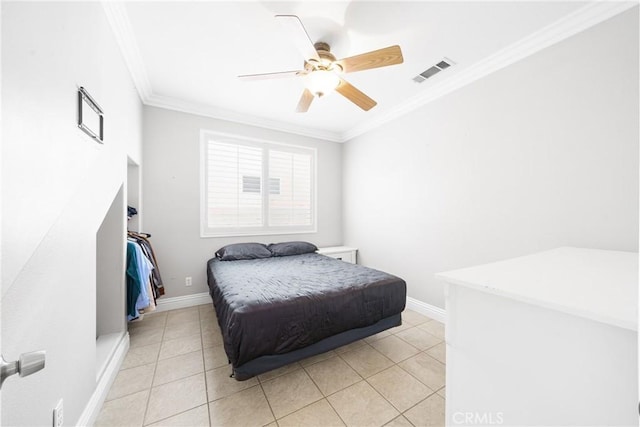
[430,72]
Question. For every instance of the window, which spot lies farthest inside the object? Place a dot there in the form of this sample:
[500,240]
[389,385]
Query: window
[252,187]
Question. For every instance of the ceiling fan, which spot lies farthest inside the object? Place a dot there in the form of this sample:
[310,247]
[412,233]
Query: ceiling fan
[322,71]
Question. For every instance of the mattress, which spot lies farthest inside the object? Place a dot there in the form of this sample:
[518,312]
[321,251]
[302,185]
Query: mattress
[274,306]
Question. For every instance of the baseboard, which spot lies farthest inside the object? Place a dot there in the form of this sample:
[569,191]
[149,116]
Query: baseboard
[432,311]
[91,411]
[165,304]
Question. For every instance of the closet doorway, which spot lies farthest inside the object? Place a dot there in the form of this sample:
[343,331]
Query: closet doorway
[110,282]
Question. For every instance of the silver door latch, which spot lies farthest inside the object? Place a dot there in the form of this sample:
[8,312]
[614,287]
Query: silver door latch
[29,363]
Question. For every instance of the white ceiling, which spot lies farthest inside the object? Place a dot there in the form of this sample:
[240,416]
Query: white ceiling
[186,55]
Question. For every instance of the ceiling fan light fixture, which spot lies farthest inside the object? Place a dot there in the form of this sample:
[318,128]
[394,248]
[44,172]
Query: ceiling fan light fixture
[322,82]
[321,72]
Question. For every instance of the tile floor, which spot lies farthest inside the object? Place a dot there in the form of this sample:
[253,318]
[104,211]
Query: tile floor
[176,374]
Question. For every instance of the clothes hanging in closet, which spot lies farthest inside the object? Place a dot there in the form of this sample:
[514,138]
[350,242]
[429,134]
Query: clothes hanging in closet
[143,240]
[144,284]
[138,278]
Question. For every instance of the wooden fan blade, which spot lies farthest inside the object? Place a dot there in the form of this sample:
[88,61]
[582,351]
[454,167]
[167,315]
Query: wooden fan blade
[305,101]
[266,76]
[376,58]
[354,95]
[299,36]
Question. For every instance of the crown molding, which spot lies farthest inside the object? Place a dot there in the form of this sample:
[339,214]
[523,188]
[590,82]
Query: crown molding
[578,21]
[588,16]
[123,32]
[121,28]
[199,109]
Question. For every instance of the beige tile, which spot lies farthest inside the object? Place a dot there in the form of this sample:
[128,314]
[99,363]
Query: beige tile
[208,316]
[316,414]
[443,392]
[429,412]
[425,368]
[361,405]
[269,375]
[205,308]
[394,348]
[176,339]
[131,380]
[149,321]
[246,408]
[351,346]
[332,375]
[317,358]
[156,313]
[290,392]
[190,314]
[215,357]
[181,329]
[180,346]
[400,328]
[377,336]
[399,388]
[220,384]
[139,356]
[145,336]
[434,327]
[366,361]
[210,339]
[124,411]
[438,352]
[178,367]
[196,417]
[141,328]
[401,421]
[210,327]
[419,338]
[414,318]
[176,397]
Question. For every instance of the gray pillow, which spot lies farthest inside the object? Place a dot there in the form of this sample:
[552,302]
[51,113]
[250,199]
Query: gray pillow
[291,248]
[238,251]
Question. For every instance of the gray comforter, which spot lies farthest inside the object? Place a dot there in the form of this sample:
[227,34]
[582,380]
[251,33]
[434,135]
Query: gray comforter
[275,305]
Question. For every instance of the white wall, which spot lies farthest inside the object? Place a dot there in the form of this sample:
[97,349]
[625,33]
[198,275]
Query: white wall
[57,185]
[110,263]
[171,194]
[541,154]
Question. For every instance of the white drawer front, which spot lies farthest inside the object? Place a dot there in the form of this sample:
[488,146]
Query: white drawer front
[344,256]
[343,253]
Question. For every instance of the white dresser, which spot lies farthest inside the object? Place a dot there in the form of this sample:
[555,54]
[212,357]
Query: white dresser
[343,253]
[544,339]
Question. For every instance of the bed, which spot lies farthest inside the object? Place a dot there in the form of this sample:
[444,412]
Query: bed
[275,310]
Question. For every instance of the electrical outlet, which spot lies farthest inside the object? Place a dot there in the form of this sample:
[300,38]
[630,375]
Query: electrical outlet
[187,281]
[58,415]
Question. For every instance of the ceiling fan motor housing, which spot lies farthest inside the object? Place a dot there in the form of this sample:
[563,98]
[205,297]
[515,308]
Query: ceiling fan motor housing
[327,59]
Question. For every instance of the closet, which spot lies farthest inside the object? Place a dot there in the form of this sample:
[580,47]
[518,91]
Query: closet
[111,252]
[143,283]
[110,290]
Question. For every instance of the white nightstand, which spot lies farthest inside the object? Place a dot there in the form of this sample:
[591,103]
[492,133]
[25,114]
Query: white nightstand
[343,253]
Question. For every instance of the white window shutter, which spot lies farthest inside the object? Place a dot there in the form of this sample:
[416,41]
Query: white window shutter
[234,191]
[252,187]
[292,205]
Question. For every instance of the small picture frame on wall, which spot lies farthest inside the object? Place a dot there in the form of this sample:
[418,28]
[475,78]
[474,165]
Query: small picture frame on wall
[90,116]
